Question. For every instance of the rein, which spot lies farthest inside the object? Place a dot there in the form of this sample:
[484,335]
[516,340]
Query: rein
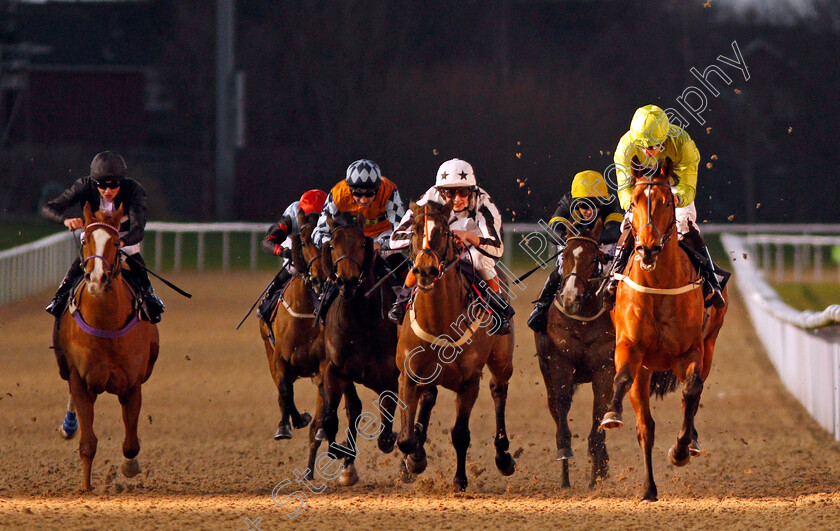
[442,264]
[363,266]
[113,270]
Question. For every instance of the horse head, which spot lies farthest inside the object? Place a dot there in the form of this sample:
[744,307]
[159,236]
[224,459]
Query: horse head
[348,256]
[581,258]
[100,258]
[305,255]
[431,242]
[654,215]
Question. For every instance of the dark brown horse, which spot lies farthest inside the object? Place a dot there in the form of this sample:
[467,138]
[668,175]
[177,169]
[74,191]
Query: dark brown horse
[360,341]
[100,343]
[295,344]
[577,348]
[446,340]
[660,321]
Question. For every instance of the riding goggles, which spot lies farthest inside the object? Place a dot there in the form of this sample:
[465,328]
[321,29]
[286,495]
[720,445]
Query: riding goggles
[450,193]
[363,193]
[107,182]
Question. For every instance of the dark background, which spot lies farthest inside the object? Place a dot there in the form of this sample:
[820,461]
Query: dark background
[527,91]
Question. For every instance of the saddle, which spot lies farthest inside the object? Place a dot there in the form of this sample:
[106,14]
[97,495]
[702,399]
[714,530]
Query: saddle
[699,261]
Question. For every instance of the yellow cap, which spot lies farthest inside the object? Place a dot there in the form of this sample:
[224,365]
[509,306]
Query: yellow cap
[650,126]
[589,183]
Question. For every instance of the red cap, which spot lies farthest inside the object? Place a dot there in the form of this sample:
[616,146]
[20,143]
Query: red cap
[312,201]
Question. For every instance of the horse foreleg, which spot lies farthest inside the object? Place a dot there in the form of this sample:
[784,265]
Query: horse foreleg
[624,371]
[387,409]
[407,439]
[130,403]
[417,461]
[332,390]
[504,461]
[87,442]
[645,427]
[70,424]
[314,441]
[680,453]
[557,375]
[597,438]
[353,407]
[461,431]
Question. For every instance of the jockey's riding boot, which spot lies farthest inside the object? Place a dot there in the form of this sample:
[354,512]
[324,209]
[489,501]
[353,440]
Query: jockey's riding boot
[623,251]
[277,283]
[711,287]
[56,306]
[712,293]
[499,306]
[152,305]
[330,292]
[538,320]
[397,312]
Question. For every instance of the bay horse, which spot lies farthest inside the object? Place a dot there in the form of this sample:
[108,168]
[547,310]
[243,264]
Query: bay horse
[294,341]
[446,340]
[577,347]
[660,320]
[100,343]
[360,341]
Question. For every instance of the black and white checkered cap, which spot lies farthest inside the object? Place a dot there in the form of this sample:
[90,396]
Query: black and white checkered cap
[363,174]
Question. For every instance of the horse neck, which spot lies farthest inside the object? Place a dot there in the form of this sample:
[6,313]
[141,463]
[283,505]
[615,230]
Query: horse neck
[438,308]
[297,295]
[109,310]
[673,268]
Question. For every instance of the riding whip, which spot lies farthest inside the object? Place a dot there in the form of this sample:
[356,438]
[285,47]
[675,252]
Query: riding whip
[532,271]
[383,279]
[170,284]
[261,296]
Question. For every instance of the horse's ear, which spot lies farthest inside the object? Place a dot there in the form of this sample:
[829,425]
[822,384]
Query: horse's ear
[88,214]
[331,222]
[635,167]
[446,209]
[667,168]
[596,230]
[414,207]
[360,220]
[118,215]
[297,253]
[301,217]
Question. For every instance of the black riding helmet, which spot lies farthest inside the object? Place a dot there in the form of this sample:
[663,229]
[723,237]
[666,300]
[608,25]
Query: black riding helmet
[108,169]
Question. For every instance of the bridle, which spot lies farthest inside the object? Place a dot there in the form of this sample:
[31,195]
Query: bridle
[443,263]
[113,269]
[663,238]
[363,266]
[306,275]
[564,278]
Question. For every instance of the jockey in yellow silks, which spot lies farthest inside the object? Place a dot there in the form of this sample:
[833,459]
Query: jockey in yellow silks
[651,139]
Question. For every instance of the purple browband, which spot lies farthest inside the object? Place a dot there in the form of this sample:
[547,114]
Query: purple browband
[104,334]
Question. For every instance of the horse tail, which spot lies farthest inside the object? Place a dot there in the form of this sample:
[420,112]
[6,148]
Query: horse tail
[662,383]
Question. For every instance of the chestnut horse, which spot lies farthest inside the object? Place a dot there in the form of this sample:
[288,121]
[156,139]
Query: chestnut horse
[577,348]
[447,339]
[100,343]
[660,320]
[294,345]
[360,341]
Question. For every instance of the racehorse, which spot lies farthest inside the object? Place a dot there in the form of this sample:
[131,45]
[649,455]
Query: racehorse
[446,340]
[294,344]
[100,343]
[360,340]
[660,320]
[577,348]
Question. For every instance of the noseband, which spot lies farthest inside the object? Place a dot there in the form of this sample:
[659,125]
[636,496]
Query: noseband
[564,278]
[443,265]
[362,268]
[663,239]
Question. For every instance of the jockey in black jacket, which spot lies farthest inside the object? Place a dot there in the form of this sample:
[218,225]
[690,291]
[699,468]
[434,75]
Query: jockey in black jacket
[107,188]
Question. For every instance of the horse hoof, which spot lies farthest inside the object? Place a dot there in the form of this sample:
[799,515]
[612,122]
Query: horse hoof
[320,435]
[386,442]
[459,484]
[564,453]
[416,466]
[69,426]
[405,475]
[130,468]
[349,476]
[283,432]
[506,464]
[676,459]
[611,421]
[303,421]
[694,449]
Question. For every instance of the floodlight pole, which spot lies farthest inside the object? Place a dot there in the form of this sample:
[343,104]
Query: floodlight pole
[225,149]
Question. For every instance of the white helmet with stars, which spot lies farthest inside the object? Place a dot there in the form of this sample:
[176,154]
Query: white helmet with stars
[455,173]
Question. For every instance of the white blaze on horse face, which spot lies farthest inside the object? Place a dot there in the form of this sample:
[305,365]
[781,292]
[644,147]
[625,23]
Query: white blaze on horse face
[430,226]
[569,290]
[100,237]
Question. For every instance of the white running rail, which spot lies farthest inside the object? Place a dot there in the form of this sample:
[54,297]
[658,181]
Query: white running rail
[35,267]
[803,346]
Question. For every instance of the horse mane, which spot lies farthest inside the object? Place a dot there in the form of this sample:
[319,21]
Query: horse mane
[664,170]
[347,219]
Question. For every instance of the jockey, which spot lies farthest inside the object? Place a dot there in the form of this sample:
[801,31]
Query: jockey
[651,139]
[474,220]
[277,242]
[588,201]
[106,188]
[363,191]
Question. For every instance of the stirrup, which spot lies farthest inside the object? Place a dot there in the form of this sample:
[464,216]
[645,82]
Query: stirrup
[538,320]
[397,313]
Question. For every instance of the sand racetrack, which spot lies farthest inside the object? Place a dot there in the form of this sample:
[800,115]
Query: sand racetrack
[209,461]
